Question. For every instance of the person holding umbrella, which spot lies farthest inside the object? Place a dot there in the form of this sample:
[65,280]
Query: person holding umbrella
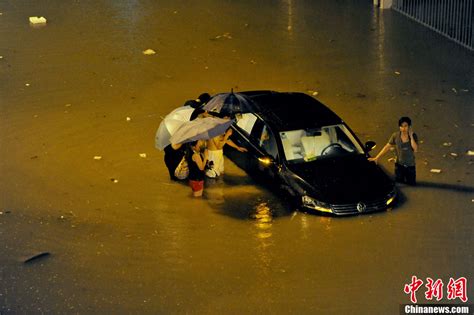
[174,153]
[196,132]
[225,105]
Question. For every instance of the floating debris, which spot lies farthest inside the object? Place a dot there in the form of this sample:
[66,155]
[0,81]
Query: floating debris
[36,257]
[447,144]
[453,154]
[149,52]
[68,105]
[392,160]
[1,57]
[35,20]
[27,84]
[314,93]
[397,73]
[97,157]
[435,170]
[223,36]
[454,90]
[142,155]
[114,180]
[470,152]
[128,118]
[253,62]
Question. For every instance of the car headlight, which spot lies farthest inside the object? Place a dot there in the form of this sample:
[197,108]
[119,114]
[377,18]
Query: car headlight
[315,204]
[391,197]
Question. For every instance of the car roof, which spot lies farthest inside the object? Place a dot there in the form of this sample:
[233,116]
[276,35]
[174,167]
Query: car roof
[291,110]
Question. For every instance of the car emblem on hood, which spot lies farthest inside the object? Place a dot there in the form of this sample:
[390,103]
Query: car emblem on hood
[361,207]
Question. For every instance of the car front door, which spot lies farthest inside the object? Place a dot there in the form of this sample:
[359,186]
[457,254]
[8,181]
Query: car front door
[249,132]
[241,136]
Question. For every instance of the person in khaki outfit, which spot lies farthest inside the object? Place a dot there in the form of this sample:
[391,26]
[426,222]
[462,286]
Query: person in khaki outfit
[405,142]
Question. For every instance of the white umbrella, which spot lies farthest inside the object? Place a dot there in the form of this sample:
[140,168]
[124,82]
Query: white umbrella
[200,129]
[170,124]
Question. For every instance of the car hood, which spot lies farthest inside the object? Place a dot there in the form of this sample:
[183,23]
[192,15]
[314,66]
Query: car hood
[348,179]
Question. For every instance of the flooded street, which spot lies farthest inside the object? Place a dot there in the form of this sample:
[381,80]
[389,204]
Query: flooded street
[123,238]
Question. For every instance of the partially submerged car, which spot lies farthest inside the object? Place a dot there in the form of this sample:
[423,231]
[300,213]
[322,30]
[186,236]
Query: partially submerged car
[308,152]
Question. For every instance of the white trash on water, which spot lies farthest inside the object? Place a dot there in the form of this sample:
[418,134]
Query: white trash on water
[149,52]
[435,170]
[37,20]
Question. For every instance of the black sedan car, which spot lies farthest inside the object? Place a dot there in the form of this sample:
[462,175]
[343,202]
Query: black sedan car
[309,153]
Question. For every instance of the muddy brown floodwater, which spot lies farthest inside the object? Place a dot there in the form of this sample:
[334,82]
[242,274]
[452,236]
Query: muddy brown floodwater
[122,238]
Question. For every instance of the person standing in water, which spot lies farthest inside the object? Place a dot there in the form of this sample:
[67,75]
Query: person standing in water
[405,142]
[197,158]
[216,153]
[174,153]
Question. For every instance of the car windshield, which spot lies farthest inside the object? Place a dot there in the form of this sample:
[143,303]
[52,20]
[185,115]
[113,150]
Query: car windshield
[305,145]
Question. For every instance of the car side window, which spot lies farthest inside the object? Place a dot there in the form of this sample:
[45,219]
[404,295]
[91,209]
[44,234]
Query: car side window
[263,137]
[267,142]
[246,122]
[257,130]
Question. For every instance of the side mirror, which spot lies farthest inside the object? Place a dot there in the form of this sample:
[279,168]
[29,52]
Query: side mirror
[370,145]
